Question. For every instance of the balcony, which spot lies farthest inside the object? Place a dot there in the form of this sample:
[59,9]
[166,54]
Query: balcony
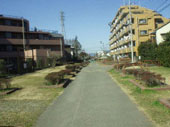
[11,54]
[42,42]
[10,28]
[29,42]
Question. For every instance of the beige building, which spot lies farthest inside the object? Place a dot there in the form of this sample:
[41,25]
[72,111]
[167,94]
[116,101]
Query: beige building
[144,22]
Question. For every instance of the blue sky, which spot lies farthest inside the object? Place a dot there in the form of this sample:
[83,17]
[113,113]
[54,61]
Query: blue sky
[88,19]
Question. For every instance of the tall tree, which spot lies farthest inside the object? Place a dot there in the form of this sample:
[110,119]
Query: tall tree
[77,46]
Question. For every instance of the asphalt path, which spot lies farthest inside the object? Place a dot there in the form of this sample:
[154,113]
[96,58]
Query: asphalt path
[93,100]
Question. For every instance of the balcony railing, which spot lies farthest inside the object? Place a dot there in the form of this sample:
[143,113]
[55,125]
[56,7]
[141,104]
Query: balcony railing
[10,28]
[29,42]
[11,54]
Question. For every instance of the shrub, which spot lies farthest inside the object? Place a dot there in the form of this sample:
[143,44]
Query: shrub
[163,54]
[119,66]
[71,67]
[39,63]
[67,71]
[29,64]
[160,53]
[84,64]
[5,83]
[147,51]
[55,77]
[151,79]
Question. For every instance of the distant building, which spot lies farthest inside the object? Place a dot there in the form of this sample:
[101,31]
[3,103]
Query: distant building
[100,53]
[161,31]
[18,42]
[144,22]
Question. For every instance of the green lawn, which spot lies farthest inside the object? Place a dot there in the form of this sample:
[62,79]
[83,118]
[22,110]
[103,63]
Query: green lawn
[146,100]
[23,107]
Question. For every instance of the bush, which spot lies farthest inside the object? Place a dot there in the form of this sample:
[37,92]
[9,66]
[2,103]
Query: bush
[67,71]
[163,54]
[151,79]
[148,51]
[121,66]
[55,77]
[5,83]
[160,53]
[39,63]
[29,64]
[71,67]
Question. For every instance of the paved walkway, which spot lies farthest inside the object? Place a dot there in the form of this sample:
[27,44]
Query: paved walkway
[93,100]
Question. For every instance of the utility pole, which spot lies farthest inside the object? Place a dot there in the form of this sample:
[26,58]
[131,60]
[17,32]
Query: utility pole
[62,31]
[103,47]
[62,24]
[61,47]
[131,34]
[23,32]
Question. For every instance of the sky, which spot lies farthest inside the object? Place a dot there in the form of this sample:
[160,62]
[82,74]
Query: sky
[87,19]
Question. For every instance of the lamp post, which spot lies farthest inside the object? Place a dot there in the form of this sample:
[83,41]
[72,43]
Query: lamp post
[131,34]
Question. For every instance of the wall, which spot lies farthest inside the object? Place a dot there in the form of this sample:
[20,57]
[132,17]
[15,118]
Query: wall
[160,31]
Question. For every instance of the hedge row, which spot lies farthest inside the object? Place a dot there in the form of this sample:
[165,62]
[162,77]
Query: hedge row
[57,77]
[152,51]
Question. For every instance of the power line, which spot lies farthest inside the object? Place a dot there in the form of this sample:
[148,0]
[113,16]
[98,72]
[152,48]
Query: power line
[161,10]
[164,2]
[164,7]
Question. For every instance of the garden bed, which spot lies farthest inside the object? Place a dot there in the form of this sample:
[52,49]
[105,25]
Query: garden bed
[165,102]
[9,91]
[63,84]
[146,88]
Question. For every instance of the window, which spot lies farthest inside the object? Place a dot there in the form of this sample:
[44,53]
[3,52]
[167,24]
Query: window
[7,22]
[134,43]
[9,48]
[2,35]
[133,31]
[142,21]
[40,36]
[138,12]
[159,21]
[143,32]
[8,35]
[132,20]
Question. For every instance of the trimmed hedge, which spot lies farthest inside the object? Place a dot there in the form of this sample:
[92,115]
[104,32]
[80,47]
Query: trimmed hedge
[163,54]
[151,51]
[54,77]
[148,51]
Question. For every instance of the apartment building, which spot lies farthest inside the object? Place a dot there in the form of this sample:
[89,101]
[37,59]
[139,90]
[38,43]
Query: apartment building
[143,22]
[18,42]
